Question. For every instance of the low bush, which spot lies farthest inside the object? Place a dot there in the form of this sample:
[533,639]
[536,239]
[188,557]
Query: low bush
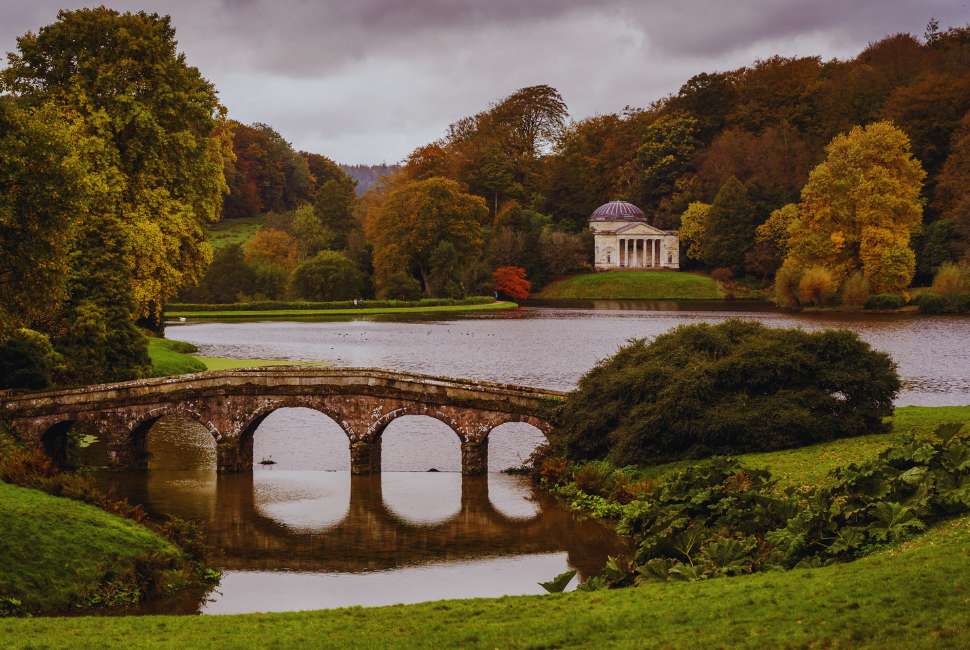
[787,281]
[885,301]
[736,387]
[961,303]
[722,275]
[931,303]
[816,286]
[855,291]
[950,280]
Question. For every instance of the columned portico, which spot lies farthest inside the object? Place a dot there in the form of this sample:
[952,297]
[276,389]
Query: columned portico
[623,239]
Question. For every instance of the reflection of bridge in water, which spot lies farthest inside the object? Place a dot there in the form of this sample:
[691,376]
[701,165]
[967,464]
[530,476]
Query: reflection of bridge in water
[373,537]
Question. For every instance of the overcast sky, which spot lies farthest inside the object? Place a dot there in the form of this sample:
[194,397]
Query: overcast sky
[367,81]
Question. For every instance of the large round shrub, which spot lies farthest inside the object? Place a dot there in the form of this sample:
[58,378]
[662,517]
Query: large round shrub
[327,277]
[737,387]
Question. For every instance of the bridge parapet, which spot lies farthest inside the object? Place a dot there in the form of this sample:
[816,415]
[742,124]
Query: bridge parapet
[232,403]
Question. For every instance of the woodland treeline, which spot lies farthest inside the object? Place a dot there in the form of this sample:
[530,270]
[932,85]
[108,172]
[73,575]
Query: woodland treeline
[115,156]
[518,180]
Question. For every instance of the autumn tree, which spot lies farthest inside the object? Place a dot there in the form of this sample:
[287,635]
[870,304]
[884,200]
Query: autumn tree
[859,208]
[693,228]
[272,246]
[163,126]
[333,208]
[667,152]
[43,193]
[511,282]
[414,217]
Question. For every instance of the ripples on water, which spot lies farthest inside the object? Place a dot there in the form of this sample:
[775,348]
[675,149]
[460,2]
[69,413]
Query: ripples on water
[552,348]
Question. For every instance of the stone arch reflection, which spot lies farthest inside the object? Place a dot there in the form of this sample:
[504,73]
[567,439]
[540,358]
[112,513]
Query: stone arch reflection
[418,443]
[300,438]
[511,444]
[303,501]
[177,442]
[422,498]
[507,495]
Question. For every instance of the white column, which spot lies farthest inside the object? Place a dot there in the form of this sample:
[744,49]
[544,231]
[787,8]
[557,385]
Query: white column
[650,244]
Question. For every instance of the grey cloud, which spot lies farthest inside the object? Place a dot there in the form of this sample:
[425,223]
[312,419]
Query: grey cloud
[370,80]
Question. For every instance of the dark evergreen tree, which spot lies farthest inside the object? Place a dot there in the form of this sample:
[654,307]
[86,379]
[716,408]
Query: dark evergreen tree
[228,276]
[731,223]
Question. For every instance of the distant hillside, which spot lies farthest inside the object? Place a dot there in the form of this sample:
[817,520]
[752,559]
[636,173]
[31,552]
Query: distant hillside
[366,175]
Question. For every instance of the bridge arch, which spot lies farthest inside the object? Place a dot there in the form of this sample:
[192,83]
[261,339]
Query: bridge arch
[236,452]
[136,447]
[53,437]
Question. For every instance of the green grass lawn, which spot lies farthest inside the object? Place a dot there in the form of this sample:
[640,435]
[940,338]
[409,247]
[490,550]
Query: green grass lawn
[172,358]
[286,313]
[634,285]
[223,363]
[52,550]
[233,231]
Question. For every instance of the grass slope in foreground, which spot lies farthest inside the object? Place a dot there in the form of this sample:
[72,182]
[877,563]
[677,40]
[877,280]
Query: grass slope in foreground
[910,597]
[53,551]
[633,285]
[291,313]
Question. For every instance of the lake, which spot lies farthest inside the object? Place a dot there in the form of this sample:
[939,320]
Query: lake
[302,533]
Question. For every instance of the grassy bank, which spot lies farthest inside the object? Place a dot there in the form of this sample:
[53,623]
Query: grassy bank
[633,285]
[170,358]
[55,552]
[911,597]
[303,313]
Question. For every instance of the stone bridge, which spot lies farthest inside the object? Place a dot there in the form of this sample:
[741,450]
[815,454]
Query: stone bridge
[231,404]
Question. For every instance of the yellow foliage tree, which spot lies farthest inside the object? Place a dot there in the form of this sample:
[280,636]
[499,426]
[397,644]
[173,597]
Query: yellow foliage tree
[693,228]
[859,208]
[413,217]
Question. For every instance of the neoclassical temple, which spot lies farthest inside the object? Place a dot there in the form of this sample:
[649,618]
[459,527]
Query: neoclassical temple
[624,239]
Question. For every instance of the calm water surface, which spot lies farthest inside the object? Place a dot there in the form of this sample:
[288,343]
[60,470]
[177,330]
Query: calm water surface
[304,534]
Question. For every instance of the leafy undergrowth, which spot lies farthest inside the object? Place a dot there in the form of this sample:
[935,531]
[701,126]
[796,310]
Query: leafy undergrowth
[64,544]
[915,596]
[633,285]
[723,517]
[172,358]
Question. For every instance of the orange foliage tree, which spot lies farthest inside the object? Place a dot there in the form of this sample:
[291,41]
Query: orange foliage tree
[272,246]
[511,281]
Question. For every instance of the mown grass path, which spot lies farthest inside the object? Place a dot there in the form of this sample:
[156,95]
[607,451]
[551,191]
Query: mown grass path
[633,285]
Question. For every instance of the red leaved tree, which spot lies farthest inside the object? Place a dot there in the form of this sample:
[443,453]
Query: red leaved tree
[511,281]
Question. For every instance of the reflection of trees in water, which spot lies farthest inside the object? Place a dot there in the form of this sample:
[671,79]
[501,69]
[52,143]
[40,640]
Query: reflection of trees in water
[371,536]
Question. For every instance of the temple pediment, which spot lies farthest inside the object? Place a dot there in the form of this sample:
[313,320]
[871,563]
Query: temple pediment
[639,229]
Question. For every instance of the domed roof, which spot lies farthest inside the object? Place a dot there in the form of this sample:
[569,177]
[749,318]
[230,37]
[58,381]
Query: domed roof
[618,211]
